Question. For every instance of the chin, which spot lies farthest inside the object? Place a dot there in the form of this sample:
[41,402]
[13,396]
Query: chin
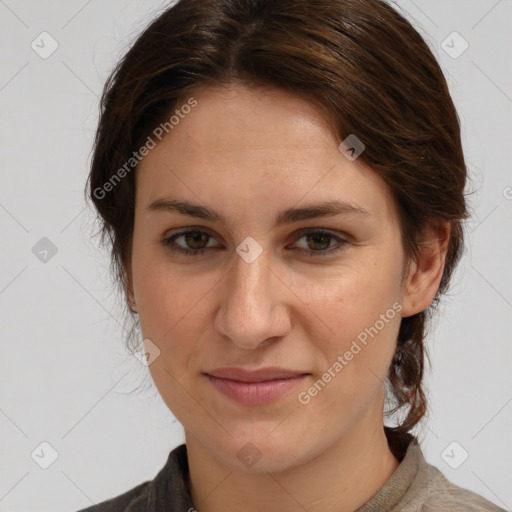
[257,451]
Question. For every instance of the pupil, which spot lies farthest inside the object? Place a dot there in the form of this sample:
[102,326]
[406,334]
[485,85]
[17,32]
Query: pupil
[316,237]
[196,237]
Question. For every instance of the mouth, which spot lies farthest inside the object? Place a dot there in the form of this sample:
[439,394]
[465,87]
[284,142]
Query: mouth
[257,387]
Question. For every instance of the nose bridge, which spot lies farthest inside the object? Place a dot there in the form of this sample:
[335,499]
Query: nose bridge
[251,310]
[251,274]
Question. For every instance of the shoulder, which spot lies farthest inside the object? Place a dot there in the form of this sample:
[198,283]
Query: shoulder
[443,495]
[168,490]
[134,500]
[424,488]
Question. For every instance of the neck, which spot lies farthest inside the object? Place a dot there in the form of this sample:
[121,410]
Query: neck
[342,478]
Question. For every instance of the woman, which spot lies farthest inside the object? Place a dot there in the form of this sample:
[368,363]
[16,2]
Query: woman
[282,184]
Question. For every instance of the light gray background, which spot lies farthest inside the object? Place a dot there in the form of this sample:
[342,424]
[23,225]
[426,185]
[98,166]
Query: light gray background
[65,377]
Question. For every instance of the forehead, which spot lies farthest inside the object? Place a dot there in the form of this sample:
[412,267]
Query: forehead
[254,116]
[255,146]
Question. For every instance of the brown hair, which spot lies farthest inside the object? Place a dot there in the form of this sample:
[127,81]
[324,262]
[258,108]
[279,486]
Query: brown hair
[360,61]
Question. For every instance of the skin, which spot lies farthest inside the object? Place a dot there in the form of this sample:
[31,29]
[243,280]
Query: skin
[248,154]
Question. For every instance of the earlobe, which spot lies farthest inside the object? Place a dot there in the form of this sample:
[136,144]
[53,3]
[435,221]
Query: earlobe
[128,289]
[426,271]
[131,301]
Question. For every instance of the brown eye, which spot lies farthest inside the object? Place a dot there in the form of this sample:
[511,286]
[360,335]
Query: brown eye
[194,242]
[196,239]
[318,242]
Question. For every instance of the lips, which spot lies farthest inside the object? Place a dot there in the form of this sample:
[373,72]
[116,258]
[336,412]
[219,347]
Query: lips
[261,375]
[255,387]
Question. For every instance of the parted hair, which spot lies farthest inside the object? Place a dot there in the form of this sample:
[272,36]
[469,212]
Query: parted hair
[360,61]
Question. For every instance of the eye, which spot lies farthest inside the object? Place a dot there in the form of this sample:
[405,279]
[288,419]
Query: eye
[196,242]
[195,239]
[318,240]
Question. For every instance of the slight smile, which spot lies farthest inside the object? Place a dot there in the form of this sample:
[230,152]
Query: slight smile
[256,387]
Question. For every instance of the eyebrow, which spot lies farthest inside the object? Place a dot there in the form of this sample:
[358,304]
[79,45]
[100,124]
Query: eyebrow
[287,216]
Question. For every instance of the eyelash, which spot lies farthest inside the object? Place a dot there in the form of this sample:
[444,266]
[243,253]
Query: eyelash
[197,252]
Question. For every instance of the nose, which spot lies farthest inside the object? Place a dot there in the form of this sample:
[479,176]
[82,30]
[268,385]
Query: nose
[254,309]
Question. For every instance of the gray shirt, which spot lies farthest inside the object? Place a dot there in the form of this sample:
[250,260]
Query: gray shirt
[415,486]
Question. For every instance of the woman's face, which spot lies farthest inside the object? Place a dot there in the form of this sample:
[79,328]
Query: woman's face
[257,290]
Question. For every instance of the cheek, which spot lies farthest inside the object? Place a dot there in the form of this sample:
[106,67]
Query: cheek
[353,299]
[361,309]
[171,308]
[167,300]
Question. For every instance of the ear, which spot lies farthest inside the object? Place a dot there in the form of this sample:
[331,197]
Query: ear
[130,299]
[425,272]
[128,288]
